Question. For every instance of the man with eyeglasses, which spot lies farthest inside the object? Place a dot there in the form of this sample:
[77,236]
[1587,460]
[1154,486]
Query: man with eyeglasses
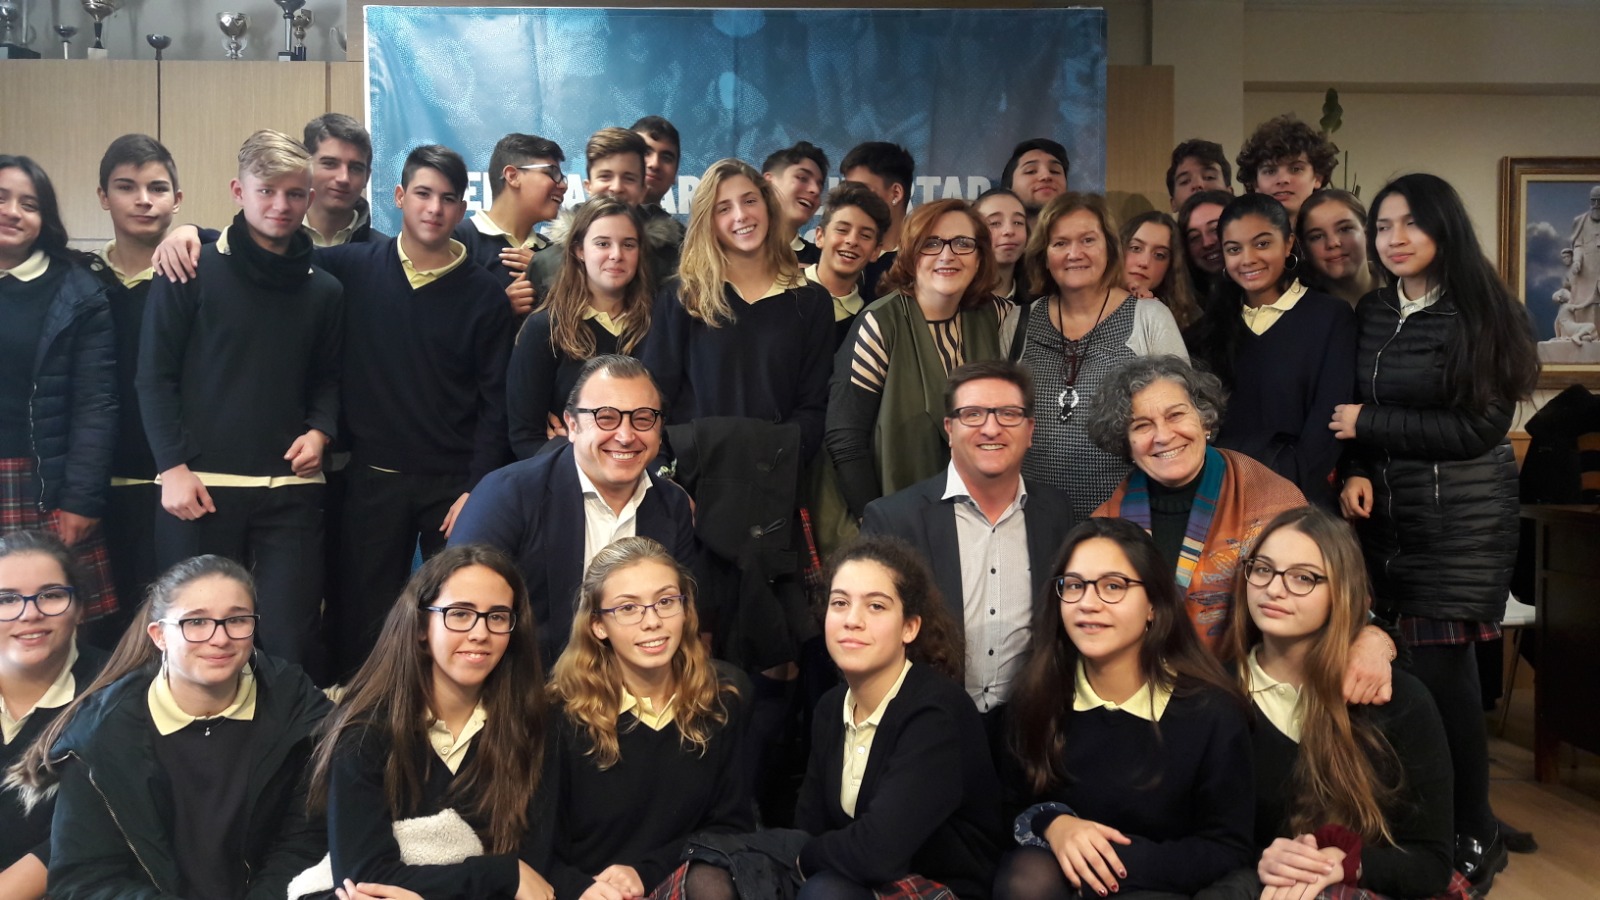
[531,509]
[988,536]
[526,186]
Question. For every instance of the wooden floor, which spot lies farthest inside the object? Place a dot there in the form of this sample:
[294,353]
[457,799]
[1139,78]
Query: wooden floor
[1564,817]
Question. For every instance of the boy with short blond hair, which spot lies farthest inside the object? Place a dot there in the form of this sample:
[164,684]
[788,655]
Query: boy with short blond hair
[239,387]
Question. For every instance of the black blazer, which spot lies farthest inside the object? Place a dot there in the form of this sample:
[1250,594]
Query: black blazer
[533,511]
[930,799]
[919,516]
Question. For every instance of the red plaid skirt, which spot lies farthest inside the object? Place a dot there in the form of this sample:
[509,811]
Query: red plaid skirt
[1459,889]
[911,887]
[19,511]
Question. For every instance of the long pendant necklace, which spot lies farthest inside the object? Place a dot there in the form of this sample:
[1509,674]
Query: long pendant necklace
[1074,352]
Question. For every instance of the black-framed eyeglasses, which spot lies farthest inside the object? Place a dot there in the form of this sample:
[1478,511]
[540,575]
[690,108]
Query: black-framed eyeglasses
[633,613]
[553,170]
[960,246]
[1109,588]
[51,601]
[975,416]
[609,418]
[465,618]
[199,629]
[1296,580]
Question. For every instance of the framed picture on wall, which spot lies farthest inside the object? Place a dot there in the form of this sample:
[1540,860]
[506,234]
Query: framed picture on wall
[1550,256]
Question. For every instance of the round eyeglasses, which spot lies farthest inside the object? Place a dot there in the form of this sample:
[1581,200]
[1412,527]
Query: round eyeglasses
[1109,588]
[51,601]
[1296,580]
[633,613]
[609,418]
[199,629]
[465,618]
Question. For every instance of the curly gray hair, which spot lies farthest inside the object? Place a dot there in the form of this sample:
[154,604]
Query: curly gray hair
[1108,424]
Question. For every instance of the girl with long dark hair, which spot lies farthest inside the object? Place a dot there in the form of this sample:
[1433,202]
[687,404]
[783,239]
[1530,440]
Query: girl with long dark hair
[58,379]
[1154,264]
[1139,775]
[1445,355]
[445,719]
[1286,354]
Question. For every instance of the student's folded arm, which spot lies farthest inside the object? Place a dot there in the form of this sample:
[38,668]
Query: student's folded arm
[856,394]
[90,858]
[361,840]
[878,845]
[530,386]
[322,404]
[1416,432]
[664,352]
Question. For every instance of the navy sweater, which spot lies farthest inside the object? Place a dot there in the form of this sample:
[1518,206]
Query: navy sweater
[1185,796]
[424,368]
[639,811]
[1286,383]
[231,372]
[771,363]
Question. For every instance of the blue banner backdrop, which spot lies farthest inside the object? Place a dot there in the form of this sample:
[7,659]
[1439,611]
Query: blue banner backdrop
[958,88]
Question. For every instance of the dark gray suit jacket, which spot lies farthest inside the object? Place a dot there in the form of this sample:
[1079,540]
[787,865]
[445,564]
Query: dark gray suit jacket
[919,516]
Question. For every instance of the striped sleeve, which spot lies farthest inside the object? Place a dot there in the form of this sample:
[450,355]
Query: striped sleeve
[869,358]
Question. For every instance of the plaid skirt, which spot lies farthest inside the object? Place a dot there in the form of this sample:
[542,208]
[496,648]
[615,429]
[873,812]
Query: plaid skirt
[19,511]
[911,887]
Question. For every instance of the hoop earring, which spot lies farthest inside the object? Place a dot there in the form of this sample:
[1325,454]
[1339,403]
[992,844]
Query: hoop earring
[1291,263]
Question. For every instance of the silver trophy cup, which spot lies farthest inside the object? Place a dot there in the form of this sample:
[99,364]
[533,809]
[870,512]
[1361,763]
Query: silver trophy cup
[234,25]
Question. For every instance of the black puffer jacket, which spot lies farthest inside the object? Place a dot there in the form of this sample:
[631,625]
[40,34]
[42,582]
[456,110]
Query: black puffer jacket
[1443,533]
[74,403]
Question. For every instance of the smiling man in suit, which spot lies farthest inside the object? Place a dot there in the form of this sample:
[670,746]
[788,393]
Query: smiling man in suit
[989,538]
[532,509]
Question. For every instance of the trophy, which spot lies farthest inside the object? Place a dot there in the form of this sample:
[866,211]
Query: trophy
[65,32]
[159,41]
[289,7]
[100,10]
[302,24]
[233,25]
[10,47]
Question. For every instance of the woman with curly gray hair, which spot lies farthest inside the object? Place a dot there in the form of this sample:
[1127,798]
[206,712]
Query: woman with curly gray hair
[1203,506]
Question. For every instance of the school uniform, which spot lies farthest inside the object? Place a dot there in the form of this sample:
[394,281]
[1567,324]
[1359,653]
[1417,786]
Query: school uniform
[910,790]
[28,831]
[541,377]
[155,802]
[639,811]
[361,837]
[484,240]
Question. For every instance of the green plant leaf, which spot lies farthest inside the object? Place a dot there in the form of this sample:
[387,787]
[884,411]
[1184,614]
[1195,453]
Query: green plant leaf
[1332,112]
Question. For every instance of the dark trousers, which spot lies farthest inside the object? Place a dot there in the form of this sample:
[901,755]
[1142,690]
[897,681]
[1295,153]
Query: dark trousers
[277,534]
[1451,675]
[385,516]
[129,528]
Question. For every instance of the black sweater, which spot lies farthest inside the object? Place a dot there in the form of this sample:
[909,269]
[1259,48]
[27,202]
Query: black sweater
[772,362]
[361,839]
[638,812]
[133,458]
[929,802]
[1420,817]
[540,380]
[424,368]
[1286,383]
[1186,797]
[231,373]
[26,833]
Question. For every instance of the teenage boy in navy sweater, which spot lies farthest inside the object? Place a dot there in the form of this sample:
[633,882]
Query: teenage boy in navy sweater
[427,341]
[887,170]
[238,386]
[796,173]
[341,164]
[853,222]
[526,185]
